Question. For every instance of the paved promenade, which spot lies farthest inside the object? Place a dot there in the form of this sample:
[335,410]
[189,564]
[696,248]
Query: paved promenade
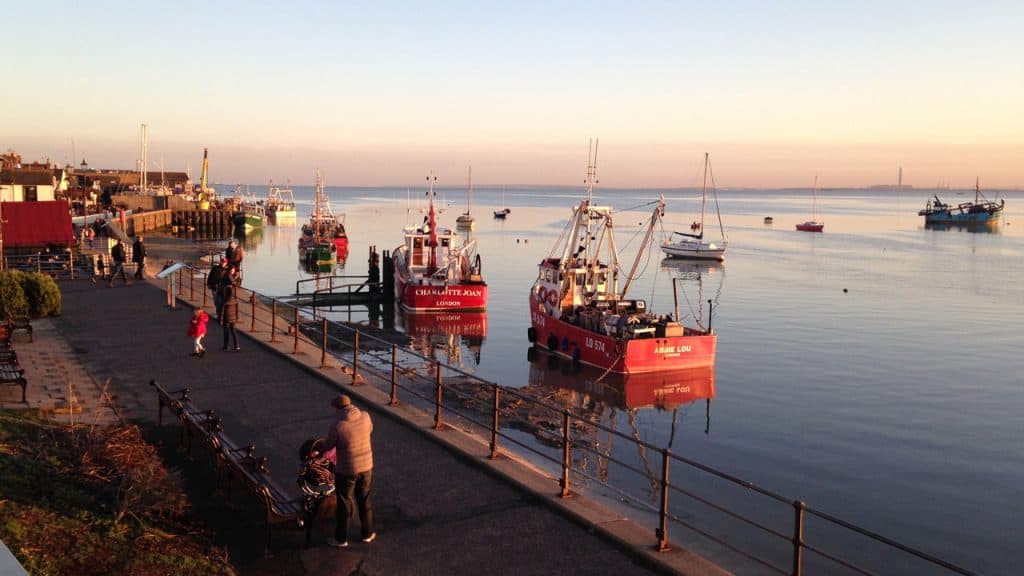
[441,506]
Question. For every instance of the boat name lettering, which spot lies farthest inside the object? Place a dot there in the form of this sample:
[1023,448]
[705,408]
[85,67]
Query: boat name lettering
[448,292]
[672,349]
[448,303]
[595,344]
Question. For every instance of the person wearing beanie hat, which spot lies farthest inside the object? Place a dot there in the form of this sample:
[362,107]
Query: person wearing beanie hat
[353,469]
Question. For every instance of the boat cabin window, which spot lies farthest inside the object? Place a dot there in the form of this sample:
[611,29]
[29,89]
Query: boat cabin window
[417,251]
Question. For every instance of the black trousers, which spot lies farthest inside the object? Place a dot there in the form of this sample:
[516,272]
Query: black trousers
[229,328]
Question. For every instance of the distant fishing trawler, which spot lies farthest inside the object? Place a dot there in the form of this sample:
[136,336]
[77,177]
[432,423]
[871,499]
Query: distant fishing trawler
[981,211]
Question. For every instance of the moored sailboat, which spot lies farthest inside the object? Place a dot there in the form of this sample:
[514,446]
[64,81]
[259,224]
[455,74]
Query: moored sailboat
[813,225]
[433,272]
[465,220]
[578,309]
[691,245]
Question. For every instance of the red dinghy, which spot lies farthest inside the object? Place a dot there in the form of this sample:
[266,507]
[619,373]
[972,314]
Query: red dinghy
[432,272]
[578,310]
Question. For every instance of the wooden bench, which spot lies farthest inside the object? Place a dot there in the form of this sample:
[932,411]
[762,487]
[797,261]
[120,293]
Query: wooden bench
[237,463]
[19,324]
[11,373]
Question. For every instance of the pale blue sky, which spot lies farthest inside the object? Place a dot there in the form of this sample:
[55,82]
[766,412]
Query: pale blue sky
[382,92]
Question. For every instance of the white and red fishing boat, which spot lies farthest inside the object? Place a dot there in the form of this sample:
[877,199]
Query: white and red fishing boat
[434,271]
[579,310]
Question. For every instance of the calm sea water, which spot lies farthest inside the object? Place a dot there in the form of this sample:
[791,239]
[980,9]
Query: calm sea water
[873,371]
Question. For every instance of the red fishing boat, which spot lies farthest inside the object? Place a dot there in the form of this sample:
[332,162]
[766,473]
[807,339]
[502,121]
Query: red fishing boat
[579,310]
[662,390]
[434,271]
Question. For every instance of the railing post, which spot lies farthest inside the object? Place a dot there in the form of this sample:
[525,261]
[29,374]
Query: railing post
[181,281]
[355,358]
[566,454]
[494,423]
[191,284]
[273,320]
[438,424]
[798,537]
[323,346]
[205,291]
[252,301]
[394,375]
[295,349]
[662,531]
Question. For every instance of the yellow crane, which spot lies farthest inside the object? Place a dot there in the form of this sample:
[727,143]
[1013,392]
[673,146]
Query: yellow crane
[205,193]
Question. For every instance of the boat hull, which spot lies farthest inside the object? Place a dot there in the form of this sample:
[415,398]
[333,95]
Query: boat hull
[811,227]
[433,298]
[965,218]
[694,251]
[621,356]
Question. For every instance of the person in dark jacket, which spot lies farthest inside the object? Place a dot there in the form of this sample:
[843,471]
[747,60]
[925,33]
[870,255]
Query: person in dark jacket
[229,310]
[353,469]
[117,255]
[213,281]
[139,257]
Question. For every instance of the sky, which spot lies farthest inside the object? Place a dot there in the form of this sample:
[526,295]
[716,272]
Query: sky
[379,93]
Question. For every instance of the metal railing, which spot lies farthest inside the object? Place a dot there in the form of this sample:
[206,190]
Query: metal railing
[408,375]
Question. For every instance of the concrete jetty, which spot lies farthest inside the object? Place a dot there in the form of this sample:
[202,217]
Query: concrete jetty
[442,507]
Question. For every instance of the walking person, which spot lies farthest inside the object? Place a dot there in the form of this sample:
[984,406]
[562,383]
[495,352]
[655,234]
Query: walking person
[229,310]
[139,257]
[353,469]
[117,255]
[197,329]
[213,282]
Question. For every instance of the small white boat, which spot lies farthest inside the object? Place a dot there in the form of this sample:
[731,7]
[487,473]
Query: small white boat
[692,245]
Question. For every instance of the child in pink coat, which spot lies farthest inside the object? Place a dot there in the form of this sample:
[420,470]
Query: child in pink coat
[197,329]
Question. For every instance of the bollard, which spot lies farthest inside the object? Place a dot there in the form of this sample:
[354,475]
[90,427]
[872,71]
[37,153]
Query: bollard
[566,455]
[273,320]
[798,537]
[662,531]
[295,349]
[438,424]
[494,423]
[355,357]
[394,375]
[323,347]
[252,301]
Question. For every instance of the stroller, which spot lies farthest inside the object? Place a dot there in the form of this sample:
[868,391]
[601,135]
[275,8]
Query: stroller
[316,475]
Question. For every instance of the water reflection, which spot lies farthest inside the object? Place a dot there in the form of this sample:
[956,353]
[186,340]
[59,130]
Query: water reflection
[707,278]
[249,239]
[447,336]
[990,227]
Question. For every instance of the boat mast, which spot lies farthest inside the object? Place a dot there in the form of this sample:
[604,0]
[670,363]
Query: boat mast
[432,224]
[469,194]
[814,201]
[703,198]
[316,207]
[659,211]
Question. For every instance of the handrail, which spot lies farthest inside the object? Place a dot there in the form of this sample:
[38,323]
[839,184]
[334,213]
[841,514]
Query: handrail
[389,373]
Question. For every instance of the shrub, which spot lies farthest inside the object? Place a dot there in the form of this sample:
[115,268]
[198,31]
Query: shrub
[12,295]
[42,293]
